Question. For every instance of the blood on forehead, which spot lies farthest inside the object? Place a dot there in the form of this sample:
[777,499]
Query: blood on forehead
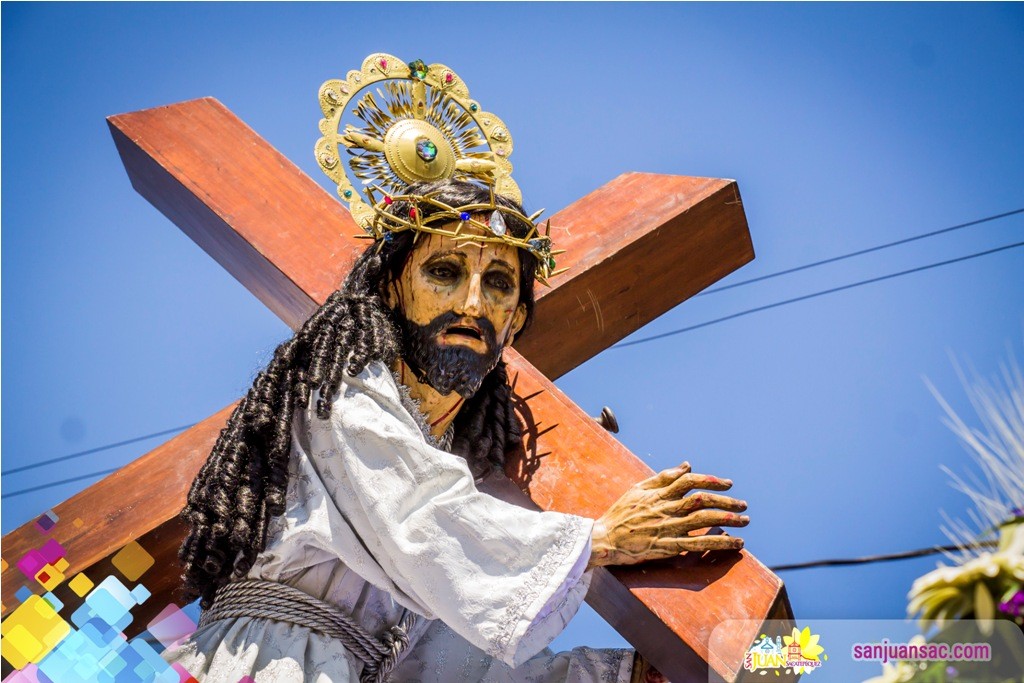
[478,254]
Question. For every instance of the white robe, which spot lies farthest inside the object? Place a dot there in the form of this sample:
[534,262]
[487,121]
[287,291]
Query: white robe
[377,521]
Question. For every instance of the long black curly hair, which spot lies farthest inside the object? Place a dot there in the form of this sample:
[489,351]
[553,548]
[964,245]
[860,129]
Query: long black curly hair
[242,485]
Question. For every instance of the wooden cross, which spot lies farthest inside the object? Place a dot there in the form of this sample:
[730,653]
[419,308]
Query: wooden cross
[636,247]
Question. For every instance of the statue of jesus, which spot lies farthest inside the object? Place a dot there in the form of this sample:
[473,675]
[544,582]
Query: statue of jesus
[342,530]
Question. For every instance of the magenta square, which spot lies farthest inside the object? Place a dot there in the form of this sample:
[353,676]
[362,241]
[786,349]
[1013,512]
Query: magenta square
[52,551]
[183,675]
[30,674]
[32,563]
[246,679]
[171,625]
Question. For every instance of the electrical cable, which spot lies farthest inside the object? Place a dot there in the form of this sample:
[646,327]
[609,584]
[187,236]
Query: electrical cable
[860,252]
[97,449]
[58,483]
[813,295]
[882,558]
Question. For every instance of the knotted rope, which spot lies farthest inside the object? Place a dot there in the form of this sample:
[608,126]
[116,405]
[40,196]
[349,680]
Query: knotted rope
[272,600]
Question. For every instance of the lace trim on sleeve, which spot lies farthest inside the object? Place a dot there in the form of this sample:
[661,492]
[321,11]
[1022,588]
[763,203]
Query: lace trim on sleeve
[538,580]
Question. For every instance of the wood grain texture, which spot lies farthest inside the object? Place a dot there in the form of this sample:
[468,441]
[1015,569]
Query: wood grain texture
[291,243]
[637,247]
[570,464]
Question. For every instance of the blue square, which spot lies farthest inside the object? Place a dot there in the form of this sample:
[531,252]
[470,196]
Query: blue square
[23,594]
[105,605]
[140,593]
[144,671]
[93,633]
[82,615]
[112,663]
[86,667]
[56,604]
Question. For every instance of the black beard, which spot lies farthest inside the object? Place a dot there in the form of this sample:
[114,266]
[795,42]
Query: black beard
[447,368]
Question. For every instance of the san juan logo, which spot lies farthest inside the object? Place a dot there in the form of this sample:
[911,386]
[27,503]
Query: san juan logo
[796,653]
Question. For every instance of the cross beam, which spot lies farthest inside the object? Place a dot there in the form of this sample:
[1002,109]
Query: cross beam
[662,239]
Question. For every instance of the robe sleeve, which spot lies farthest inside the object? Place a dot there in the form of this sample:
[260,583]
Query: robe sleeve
[440,655]
[409,519]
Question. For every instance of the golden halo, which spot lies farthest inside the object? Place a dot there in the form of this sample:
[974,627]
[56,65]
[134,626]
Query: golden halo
[418,124]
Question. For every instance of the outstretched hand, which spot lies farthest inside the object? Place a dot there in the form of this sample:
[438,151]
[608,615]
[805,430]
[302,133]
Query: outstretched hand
[652,519]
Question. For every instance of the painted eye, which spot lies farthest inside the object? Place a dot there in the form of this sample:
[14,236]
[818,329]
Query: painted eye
[442,271]
[501,282]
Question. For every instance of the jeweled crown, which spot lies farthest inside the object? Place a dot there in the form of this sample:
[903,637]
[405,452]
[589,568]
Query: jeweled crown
[421,126]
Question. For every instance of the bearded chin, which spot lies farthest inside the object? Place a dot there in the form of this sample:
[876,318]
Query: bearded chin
[445,367]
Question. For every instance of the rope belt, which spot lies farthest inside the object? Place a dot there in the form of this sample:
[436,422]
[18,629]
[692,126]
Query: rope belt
[272,600]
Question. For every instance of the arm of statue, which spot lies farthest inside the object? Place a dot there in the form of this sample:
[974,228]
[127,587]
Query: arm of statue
[652,519]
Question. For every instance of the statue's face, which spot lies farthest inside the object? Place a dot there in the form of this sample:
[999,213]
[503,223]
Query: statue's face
[458,305]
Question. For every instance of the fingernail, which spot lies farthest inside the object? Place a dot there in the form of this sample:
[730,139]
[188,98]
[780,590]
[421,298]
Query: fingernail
[744,518]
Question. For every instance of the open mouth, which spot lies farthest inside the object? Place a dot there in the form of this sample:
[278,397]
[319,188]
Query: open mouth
[465,331]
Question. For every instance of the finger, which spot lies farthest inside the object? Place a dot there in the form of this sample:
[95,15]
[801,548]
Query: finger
[704,519]
[665,477]
[700,500]
[691,481]
[679,544]
[717,542]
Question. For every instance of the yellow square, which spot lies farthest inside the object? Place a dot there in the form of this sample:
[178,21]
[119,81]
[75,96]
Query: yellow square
[132,561]
[31,632]
[20,646]
[81,585]
[61,565]
[3,565]
[78,523]
[49,577]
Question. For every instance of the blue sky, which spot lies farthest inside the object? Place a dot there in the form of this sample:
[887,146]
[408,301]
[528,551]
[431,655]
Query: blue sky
[847,126]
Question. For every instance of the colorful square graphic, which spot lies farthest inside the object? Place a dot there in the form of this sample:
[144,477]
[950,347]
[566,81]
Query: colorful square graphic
[49,577]
[26,675]
[110,601]
[31,632]
[171,625]
[54,601]
[52,551]
[31,563]
[47,521]
[132,561]
[183,675]
[140,594]
[81,584]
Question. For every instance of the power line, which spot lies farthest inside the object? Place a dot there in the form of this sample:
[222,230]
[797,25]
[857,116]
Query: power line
[58,483]
[882,558]
[96,450]
[814,294]
[860,252]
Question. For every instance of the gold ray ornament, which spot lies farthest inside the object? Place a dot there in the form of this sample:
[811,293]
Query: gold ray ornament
[417,123]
